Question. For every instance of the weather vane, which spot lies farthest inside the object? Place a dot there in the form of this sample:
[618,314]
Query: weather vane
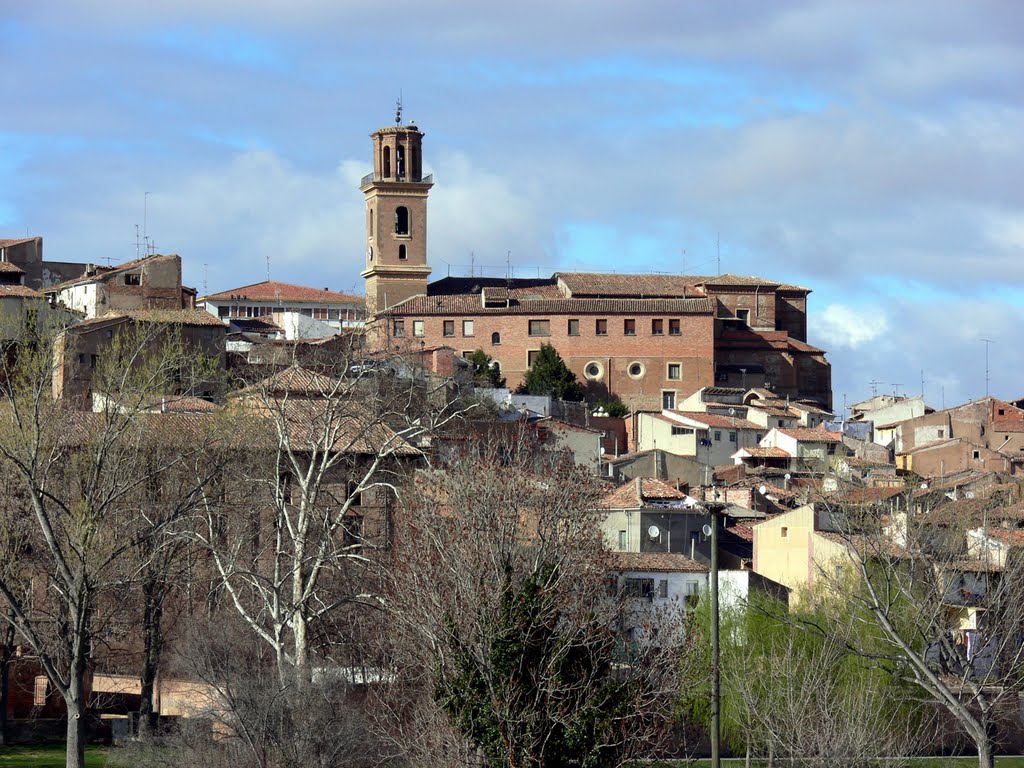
[398,109]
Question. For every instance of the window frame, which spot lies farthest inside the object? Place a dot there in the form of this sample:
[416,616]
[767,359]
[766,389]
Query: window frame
[448,329]
[538,327]
[657,327]
[600,327]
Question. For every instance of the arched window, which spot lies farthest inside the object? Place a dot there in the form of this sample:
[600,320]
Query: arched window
[401,220]
[495,338]
[369,221]
[414,164]
[400,161]
[387,162]
[402,253]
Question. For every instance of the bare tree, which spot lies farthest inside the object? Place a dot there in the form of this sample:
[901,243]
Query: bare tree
[301,519]
[80,475]
[944,620]
[810,702]
[503,641]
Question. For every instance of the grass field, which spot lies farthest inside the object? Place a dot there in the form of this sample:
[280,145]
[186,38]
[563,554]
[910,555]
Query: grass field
[1016,761]
[47,757]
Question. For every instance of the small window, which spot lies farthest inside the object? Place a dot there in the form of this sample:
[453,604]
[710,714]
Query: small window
[942,433]
[782,423]
[601,327]
[622,540]
[449,327]
[133,278]
[674,328]
[682,430]
[636,370]
[732,437]
[743,315]
[593,370]
[495,339]
[399,328]
[977,454]
[467,327]
[629,327]
[1002,411]
[675,371]
[352,530]
[531,356]
[574,327]
[657,327]
[417,328]
[718,435]
[540,327]
[785,532]
[668,400]
[839,573]
[402,253]
[401,220]
[223,311]
[663,589]
[92,361]
[758,437]
[81,358]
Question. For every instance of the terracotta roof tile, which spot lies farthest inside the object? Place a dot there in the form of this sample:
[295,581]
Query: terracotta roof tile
[16,241]
[6,266]
[635,493]
[717,421]
[170,316]
[808,435]
[654,562]
[471,304]
[19,290]
[767,453]
[594,284]
[274,290]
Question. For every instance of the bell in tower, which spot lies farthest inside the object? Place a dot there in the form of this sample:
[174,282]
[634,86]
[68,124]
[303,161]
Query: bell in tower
[396,217]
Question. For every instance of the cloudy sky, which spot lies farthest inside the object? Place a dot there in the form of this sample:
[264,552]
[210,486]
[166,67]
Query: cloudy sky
[868,150]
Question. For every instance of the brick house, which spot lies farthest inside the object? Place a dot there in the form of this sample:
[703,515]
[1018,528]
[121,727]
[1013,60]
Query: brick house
[649,339]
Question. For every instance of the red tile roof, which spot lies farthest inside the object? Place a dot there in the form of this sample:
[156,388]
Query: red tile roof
[19,290]
[274,290]
[16,241]
[634,494]
[170,316]
[767,453]
[470,304]
[808,435]
[716,421]
[600,284]
[6,266]
[654,562]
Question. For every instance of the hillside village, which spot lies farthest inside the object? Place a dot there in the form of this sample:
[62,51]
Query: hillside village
[696,414]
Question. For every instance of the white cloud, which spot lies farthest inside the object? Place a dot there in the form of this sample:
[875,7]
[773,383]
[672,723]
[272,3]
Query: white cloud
[851,327]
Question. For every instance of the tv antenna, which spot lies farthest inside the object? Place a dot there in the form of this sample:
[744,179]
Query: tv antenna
[874,387]
[398,109]
[988,343]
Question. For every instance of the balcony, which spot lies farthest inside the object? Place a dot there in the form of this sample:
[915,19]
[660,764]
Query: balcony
[371,177]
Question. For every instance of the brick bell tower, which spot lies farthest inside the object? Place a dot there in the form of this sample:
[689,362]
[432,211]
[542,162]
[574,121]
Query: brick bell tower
[396,217]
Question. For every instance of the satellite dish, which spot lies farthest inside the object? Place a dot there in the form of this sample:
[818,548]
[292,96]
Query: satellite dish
[763,490]
[706,530]
[789,476]
[732,411]
[654,532]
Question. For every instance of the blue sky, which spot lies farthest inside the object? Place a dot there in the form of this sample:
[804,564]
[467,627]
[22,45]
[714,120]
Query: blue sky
[867,150]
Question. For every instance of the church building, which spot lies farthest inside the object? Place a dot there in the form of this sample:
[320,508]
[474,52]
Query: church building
[652,340]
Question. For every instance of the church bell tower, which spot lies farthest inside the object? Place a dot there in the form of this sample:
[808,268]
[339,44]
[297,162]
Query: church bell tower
[396,217]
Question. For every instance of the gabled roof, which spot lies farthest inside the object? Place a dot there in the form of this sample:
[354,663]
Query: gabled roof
[17,241]
[764,453]
[103,273]
[7,266]
[296,380]
[274,290]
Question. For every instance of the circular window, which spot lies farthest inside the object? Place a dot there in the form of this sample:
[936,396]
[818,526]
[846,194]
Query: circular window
[636,370]
[593,370]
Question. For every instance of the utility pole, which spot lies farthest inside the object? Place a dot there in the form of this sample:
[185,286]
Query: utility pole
[714,509]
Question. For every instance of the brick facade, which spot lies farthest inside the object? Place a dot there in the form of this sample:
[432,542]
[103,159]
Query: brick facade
[651,340]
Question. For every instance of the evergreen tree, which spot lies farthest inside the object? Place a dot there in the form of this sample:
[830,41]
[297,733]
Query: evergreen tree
[485,374]
[550,376]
